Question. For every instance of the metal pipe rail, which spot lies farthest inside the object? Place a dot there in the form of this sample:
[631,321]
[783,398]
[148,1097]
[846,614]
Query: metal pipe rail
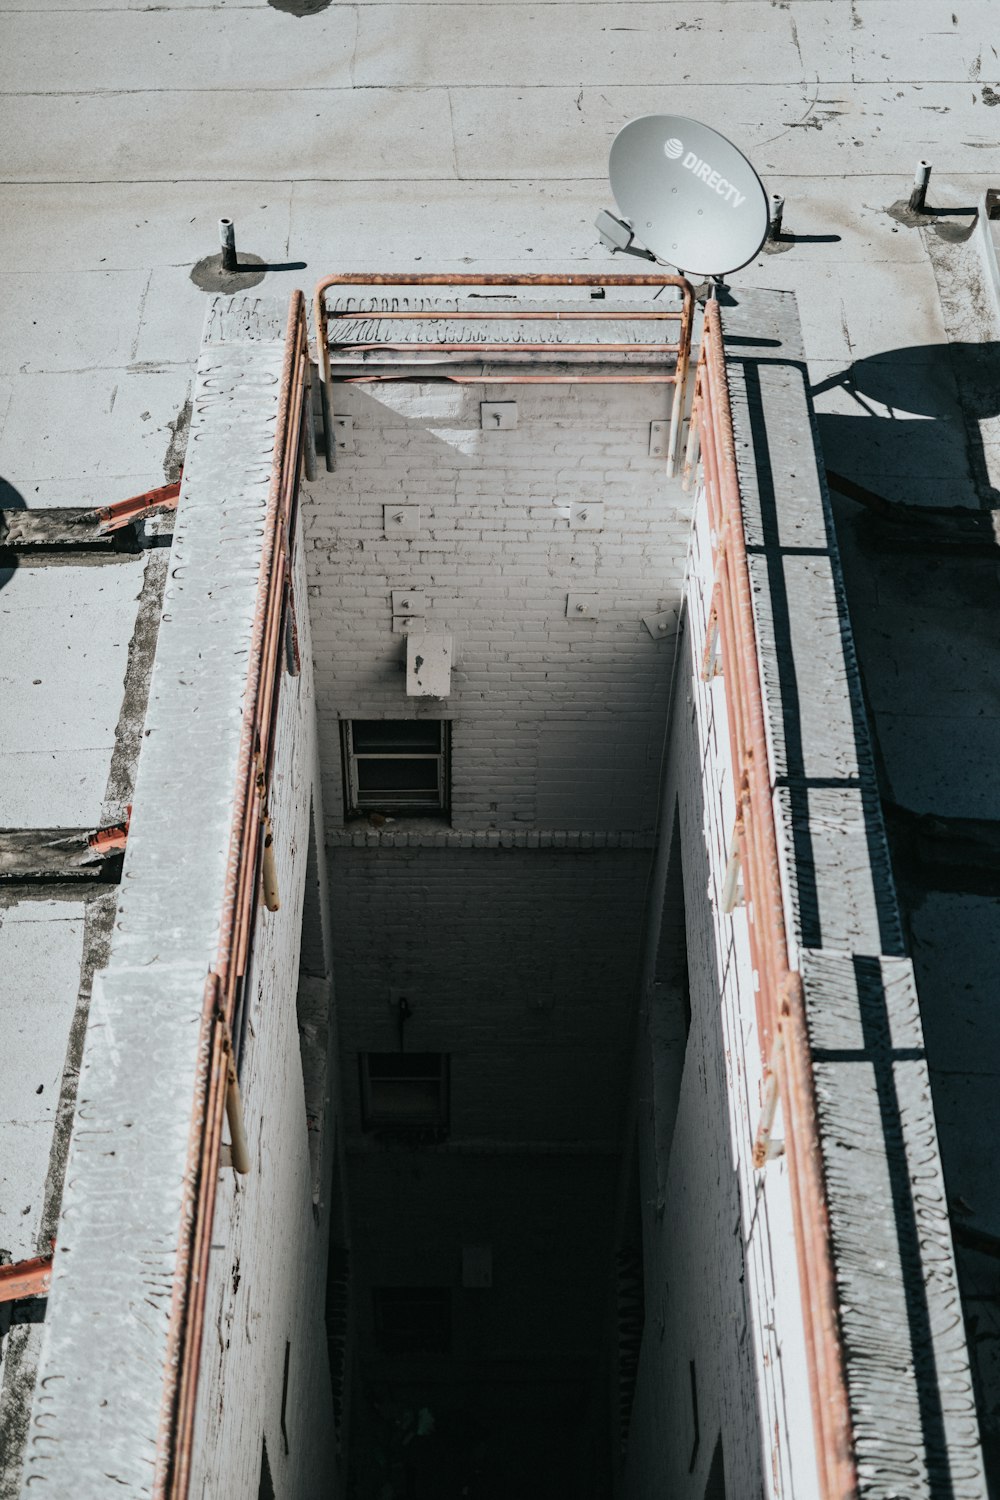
[679,348]
[248,876]
[26,1278]
[732,645]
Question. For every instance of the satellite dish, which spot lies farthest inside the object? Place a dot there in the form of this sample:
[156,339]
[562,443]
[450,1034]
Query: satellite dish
[692,197]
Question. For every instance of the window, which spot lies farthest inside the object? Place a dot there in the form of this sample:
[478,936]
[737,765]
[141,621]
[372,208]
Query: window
[404,1089]
[412,1320]
[396,765]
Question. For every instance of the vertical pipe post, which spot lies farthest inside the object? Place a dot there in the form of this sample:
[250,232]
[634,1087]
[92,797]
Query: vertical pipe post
[227,239]
[681,371]
[921,177]
[309,423]
[329,430]
[777,214]
[323,368]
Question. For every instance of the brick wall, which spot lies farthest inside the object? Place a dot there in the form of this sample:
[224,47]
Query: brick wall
[267,1280]
[521,963]
[723,1312]
[558,722]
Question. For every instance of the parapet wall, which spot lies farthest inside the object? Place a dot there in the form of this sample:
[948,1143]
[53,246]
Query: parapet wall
[101,1409]
[900,1330]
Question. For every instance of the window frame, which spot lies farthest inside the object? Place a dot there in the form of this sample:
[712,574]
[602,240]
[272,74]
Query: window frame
[372,1120]
[358,804]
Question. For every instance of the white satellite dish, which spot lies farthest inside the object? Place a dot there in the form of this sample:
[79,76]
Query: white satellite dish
[692,197]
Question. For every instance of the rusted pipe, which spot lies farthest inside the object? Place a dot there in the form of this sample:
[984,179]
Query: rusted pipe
[505,315]
[677,378]
[26,1278]
[372,377]
[338,346]
[123,512]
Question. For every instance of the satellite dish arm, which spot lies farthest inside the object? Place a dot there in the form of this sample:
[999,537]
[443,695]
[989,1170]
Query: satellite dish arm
[619,236]
[637,250]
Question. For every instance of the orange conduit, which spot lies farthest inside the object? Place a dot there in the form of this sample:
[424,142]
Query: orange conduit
[681,347]
[26,1278]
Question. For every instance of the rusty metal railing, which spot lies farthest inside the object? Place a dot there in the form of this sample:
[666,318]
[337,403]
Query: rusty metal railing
[731,646]
[673,353]
[26,1278]
[250,874]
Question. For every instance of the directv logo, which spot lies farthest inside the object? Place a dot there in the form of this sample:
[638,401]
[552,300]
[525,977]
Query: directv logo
[672,149]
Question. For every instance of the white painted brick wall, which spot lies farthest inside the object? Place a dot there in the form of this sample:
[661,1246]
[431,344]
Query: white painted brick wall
[721,1273]
[267,1278]
[557,722]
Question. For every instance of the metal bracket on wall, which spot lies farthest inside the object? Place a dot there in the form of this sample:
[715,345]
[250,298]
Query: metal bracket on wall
[766,1149]
[401,520]
[497,416]
[662,626]
[585,515]
[732,886]
[711,661]
[582,607]
[407,608]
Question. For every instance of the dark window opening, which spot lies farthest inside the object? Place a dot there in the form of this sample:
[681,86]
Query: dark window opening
[396,766]
[404,1089]
[413,1320]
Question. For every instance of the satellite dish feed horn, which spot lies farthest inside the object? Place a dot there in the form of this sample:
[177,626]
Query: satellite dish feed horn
[690,194]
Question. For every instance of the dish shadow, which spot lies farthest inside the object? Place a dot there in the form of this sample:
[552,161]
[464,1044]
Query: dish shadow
[916,422]
[10,499]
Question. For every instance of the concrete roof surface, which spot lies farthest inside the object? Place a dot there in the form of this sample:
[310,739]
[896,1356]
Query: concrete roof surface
[470,136]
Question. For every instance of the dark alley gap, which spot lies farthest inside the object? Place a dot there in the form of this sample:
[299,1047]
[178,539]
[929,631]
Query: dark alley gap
[443,1406]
